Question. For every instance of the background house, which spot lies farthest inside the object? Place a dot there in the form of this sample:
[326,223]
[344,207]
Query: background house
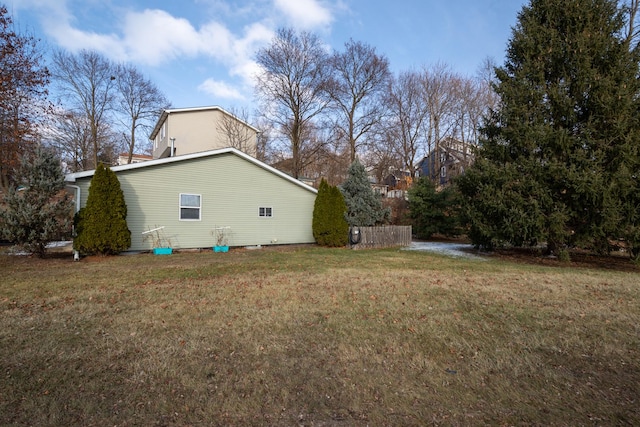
[193,194]
[448,161]
[192,130]
[398,180]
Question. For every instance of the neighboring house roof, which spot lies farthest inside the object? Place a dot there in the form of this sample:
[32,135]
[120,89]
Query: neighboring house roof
[136,158]
[73,176]
[166,112]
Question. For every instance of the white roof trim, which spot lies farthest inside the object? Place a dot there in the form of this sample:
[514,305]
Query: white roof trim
[72,177]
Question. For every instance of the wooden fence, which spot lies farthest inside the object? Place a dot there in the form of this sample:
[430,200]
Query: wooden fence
[379,237]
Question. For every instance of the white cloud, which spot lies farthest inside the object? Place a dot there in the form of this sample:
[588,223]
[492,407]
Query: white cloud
[244,48]
[74,40]
[156,38]
[217,41]
[237,53]
[219,89]
[305,14]
[153,37]
[56,21]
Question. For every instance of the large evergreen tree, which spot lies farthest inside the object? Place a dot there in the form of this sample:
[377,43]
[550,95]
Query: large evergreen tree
[559,158]
[102,223]
[39,210]
[364,207]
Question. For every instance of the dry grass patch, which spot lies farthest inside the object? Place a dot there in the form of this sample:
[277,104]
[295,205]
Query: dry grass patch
[316,337]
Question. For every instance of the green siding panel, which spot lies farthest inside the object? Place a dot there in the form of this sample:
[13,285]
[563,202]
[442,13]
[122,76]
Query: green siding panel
[232,191]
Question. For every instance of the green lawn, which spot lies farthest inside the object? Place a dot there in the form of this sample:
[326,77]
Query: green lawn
[316,337]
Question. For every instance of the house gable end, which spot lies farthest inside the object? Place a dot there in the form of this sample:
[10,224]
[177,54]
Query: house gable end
[232,188]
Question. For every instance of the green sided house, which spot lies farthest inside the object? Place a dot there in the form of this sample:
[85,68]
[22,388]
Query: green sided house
[191,196]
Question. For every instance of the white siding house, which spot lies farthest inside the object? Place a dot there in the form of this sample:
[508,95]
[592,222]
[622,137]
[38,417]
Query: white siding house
[191,195]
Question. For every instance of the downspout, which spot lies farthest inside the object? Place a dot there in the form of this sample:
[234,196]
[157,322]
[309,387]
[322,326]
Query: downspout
[173,142]
[76,254]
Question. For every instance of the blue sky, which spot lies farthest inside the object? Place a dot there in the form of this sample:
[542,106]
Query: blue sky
[201,52]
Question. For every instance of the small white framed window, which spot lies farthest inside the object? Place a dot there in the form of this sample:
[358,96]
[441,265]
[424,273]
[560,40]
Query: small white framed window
[265,212]
[190,207]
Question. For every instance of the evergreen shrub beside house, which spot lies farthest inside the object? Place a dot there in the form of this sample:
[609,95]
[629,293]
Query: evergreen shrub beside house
[330,227]
[101,226]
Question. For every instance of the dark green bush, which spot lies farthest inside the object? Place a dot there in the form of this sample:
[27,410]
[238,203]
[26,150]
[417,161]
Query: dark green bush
[102,223]
[329,225]
[432,211]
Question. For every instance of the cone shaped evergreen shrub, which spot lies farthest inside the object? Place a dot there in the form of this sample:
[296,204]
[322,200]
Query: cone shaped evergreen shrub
[364,206]
[329,225]
[102,224]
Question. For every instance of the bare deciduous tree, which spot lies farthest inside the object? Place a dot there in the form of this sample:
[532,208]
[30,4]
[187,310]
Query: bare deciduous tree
[471,107]
[263,140]
[139,105]
[440,91]
[239,135]
[408,117]
[23,93]
[388,122]
[382,157]
[70,137]
[631,10]
[292,86]
[360,77]
[475,98]
[87,81]
[321,158]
